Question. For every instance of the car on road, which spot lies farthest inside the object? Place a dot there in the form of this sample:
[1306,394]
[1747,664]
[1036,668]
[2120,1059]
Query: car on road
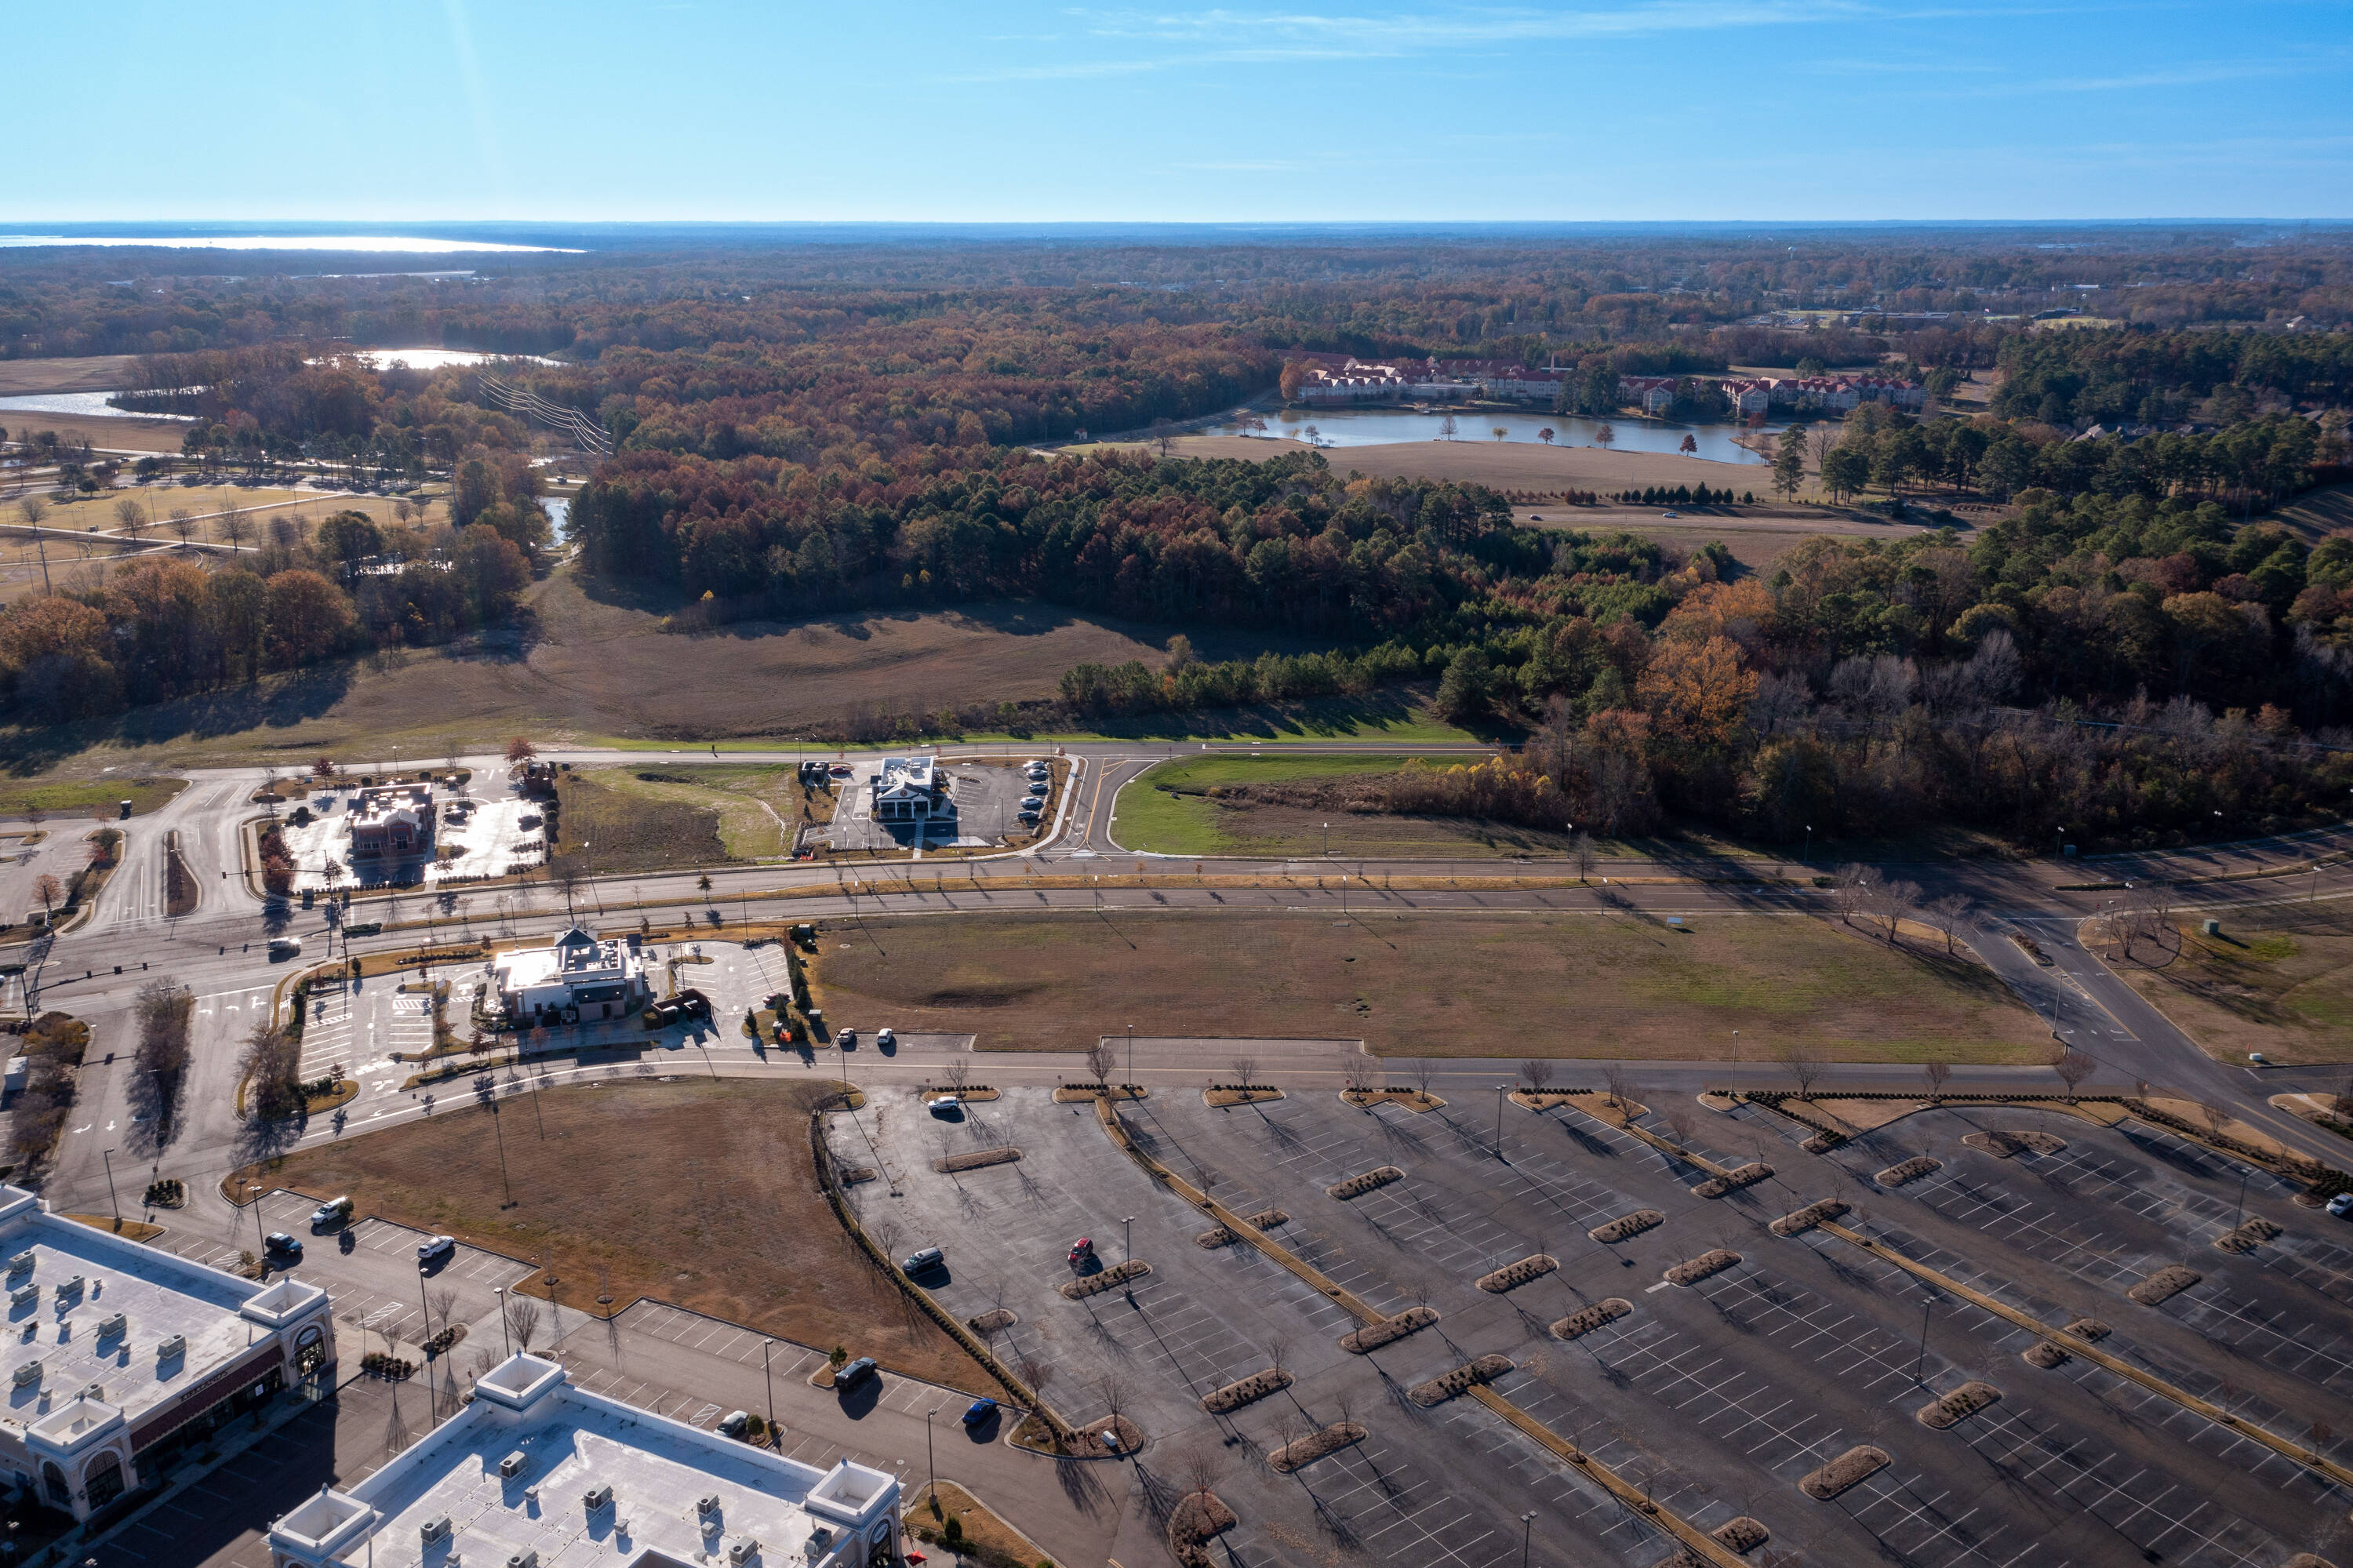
[284,947]
[281,1244]
[734,1423]
[979,1412]
[884,1040]
[1670,514]
[1082,1252]
[855,1372]
[334,1211]
[436,1248]
[848,1039]
[924,1260]
[942,1104]
[2341,1205]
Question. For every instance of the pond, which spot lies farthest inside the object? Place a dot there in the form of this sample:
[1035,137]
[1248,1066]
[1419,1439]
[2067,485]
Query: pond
[87,404]
[1378,427]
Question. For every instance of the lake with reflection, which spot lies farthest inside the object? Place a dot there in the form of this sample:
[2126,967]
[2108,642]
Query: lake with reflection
[1378,426]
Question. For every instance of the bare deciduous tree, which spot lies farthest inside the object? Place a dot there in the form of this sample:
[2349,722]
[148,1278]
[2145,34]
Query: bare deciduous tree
[1939,1074]
[1951,915]
[957,1074]
[1803,1066]
[1580,850]
[1245,1071]
[523,1320]
[1203,1466]
[1614,1077]
[1098,1062]
[1680,1121]
[1537,1072]
[1277,1348]
[2072,1067]
[1362,1073]
[1852,887]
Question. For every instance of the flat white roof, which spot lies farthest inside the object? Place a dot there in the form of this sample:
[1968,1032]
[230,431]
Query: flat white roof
[573,1442]
[159,1296]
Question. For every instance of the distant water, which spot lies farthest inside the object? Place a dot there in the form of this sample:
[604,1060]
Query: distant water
[83,404]
[408,244]
[1376,427]
[438,358]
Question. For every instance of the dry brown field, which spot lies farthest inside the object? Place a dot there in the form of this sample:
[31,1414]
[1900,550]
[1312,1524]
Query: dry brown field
[2278,980]
[702,1194]
[120,434]
[1505,465]
[97,373]
[1618,983]
[601,671]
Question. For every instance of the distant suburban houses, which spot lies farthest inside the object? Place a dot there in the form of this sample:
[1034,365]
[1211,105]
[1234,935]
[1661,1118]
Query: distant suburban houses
[1343,379]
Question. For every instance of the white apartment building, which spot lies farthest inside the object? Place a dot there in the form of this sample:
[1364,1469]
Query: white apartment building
[123,1355]
[539,1473]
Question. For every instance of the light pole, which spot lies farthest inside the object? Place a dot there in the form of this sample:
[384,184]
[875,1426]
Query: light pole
[425,1312]
[501,1137]
[1736,1063]
[1925,1307]
[108,1155]
[1499,1091]
[930,1462]
[1131,1053]
[1807,858]
[255,1188]
[506,1335]
[774,1441]
[1127,1232]
[1527,1532]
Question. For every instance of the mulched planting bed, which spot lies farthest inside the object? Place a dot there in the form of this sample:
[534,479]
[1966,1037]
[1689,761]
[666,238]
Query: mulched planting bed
[1512,1276]
[2043,1353]
[1314,1445]
[1747,1175]
[2091,1330]
[1625,1227]
[1956,1406]
[1110,1278]
[2164,1285]
[1743,1535]
[1584,1320]
[1693,1270]
[1462,1379]
[1911,1170]
[976,1093]
[975,1162]
[1855,1466]
[2003,1145]
[1223,1097]
[1249,1391]
[1807,1218]
[1358,1186]
[1413,1100]
[1201,1517]
[994,1320]
[1215,1237]
[2248,1237]
[1267,1219]
[1389,1331]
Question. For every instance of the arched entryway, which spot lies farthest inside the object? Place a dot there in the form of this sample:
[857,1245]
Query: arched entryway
[103,1482]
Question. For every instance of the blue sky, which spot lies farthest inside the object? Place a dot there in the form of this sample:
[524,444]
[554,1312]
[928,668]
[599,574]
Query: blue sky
[1306,111]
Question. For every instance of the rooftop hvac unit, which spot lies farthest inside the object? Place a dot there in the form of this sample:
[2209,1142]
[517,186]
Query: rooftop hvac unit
[22,1263]
[523,1560]
[743,1551]
[175,1346]
[113,1328]
[511,1466]
[595,1499]
[434,1530]
[709,1504]
[28,1374]
[95,1391]
[71,1286]
[24,1295]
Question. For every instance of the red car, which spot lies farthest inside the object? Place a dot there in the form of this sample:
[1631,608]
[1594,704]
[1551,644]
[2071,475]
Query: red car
[1082,1251]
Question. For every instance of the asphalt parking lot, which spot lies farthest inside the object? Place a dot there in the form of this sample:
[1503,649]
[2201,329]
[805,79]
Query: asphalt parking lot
[984,801]
[1718,1396]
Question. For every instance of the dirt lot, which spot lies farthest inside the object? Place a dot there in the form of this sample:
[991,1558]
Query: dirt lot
[601,670]
[1612,984]
[2278,980]
[697,1194]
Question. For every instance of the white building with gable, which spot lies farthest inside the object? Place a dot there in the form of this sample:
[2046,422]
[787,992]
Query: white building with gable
[537,1471]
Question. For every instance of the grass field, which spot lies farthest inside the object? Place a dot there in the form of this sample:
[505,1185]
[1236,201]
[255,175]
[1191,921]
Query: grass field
[79,798]
[611,828]
[755,806]
[697,1193]
[2278,980]
[91,373]
[1157,821]
[1621,983]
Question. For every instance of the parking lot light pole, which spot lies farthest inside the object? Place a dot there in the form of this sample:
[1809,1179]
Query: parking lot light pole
[1126,1245]
[506,1335]
[1527,1531]
[768,1378]
[255,1188]
[1501,1089]
[1925,1307]
[108,1155]
[1131,1053]
[931,1463]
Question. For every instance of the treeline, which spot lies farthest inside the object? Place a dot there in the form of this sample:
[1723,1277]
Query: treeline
[2164,378]
[164,627]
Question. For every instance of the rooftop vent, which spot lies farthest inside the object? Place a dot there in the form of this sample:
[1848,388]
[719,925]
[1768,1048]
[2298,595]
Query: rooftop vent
[95,1391]
[114,1327]
[595,1499]
[177,1345]
[434,1530]
[743,1551]
[28,1374]
[511,1466]
[708,1504]
[523,1560]
[22,1263]
[24,1295]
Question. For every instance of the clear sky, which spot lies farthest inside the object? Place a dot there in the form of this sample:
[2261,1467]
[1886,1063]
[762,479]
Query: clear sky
[1302,112]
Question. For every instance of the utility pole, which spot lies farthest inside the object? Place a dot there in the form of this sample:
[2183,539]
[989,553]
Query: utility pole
[1500,1090]
[774,1439]
[500,1134]
[108,1155]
